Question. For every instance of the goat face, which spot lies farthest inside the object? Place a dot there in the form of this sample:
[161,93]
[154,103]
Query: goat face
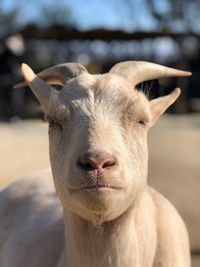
[98,134]
[98,129]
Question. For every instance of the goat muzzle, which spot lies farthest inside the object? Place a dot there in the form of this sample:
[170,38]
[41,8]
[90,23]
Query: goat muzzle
[97,161]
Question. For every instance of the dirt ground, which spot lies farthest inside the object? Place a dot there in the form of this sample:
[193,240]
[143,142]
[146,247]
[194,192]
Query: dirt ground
[174,165]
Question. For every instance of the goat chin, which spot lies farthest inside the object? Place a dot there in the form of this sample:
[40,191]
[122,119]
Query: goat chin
[102,212]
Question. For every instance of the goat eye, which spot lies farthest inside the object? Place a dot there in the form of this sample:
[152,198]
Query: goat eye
[141,122]
[53,123]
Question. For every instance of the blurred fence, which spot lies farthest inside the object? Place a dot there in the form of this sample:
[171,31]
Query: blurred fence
[98,50]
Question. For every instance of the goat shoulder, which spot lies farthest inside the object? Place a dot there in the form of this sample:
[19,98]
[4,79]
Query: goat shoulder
[30,212]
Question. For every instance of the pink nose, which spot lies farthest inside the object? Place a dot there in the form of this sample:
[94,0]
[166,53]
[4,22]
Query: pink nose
[94,160]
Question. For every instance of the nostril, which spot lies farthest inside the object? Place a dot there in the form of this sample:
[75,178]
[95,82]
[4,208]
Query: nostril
[86,166]
[88,162]
[109,163]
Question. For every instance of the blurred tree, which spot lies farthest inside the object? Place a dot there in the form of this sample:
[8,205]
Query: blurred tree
[176,15]
[55,13]
[47,13]
[8,20]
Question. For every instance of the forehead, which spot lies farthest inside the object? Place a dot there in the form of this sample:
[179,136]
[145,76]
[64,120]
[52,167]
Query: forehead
[100,94]
[102,81]
[103,85]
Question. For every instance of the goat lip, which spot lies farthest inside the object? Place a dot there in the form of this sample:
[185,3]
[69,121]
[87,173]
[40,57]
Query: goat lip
[101,187]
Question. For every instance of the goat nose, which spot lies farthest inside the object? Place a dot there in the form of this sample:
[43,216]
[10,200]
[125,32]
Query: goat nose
[90,161]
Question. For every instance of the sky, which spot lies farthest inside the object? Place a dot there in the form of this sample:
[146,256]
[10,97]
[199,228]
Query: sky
[112,14]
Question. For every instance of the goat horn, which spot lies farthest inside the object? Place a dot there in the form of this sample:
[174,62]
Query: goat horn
[39,87]
[58,74]
[140,71]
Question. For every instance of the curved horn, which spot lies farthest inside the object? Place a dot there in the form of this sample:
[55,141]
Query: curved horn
[58,74]
[40,88]
[140,71]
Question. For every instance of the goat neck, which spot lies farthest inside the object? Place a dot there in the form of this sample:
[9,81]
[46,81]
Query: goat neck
[114,242]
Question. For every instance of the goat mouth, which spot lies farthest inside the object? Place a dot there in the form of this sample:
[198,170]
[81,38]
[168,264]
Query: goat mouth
[101,187]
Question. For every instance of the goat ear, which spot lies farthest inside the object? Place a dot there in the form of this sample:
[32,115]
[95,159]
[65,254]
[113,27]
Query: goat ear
[160,104]
[39,87]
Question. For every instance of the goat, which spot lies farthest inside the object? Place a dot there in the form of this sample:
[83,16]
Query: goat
[108,215]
